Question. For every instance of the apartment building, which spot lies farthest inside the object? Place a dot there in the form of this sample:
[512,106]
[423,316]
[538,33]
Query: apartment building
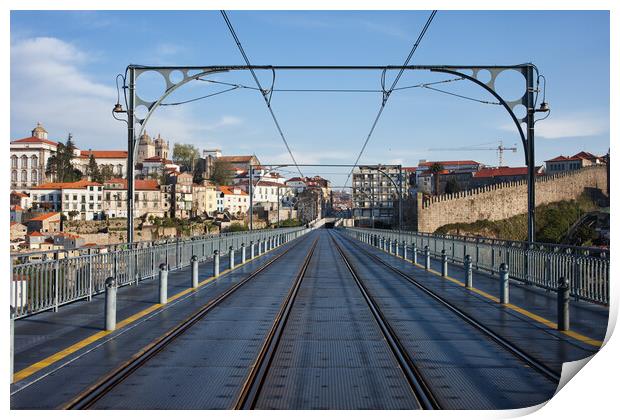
[81,200]
[205,198]
[147,198]
[232,199]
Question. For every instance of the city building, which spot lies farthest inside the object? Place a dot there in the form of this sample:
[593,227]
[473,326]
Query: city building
[233,200]
[157,167]
[29,158]
[180,190]
[376,190]
[572,163]
[148,148]
[81,200]
[114,160]
[45,222]
[18,231]
[20,199]
[205,198]
[147,198]
[489,176]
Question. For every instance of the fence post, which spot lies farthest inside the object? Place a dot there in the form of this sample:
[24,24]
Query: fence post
[231,257]
[194,271]
[110,304]
[163,284]
[56,283]
[251,250]
[444,263]
[90,275]
[577,286]
[504,284]
[405,250]
[242,252]
[414,253]
[136,270]
[216,263]
[563,304]
[427,257]
[468,272]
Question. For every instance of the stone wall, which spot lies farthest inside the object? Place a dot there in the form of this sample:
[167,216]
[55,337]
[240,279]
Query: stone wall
[501,201]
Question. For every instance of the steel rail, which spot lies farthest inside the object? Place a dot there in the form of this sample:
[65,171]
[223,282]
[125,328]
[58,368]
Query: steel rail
[421,390]
[87,398]
[250,391]
[509,346]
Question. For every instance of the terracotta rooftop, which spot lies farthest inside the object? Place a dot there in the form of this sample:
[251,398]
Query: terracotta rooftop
[35,140]
[140,184]
[18,194]
[44,216]
[66,185]
[16,207]
[103,154]
[230,190]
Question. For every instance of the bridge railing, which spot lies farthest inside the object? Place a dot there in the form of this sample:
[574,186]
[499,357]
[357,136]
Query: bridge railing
[42,285]
[587,269]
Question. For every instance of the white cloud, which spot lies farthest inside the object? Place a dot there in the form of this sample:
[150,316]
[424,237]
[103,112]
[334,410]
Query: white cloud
[569,125]
[50,84]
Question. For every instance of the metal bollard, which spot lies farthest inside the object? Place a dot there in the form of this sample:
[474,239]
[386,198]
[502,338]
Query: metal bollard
[444,263]
[405,250]
[163,284]
[231,257]
[414,254]
[468,272]
[194,261]
[504,284]
[110,304]
[391,246]
[216,263]
[242,253]
[563,304]
[427,257]
[251,250]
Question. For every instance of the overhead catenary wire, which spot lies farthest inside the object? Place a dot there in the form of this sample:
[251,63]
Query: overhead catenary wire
[386,94]
[264,93]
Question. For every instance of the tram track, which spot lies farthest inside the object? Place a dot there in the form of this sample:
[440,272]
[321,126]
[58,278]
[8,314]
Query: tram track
[89,397]
[513,349]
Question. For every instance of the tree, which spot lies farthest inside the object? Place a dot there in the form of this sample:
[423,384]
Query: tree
[436,169]
[221,173]
[186,156]
[452,186]
[92,169]
[60,165]
[107,172]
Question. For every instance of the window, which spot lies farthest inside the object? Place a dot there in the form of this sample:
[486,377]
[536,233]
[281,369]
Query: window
[35,176]
[13,161]
[91,197]
[14,176]
[35,161]
[24,161]
[25,174]
[107,196]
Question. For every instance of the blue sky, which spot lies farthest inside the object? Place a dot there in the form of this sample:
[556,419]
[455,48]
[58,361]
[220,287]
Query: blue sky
[63,68]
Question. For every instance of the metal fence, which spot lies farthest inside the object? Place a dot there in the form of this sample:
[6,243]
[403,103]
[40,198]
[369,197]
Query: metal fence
[587,269]
[43,285]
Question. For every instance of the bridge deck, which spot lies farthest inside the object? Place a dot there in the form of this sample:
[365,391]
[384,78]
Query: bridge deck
[328,356]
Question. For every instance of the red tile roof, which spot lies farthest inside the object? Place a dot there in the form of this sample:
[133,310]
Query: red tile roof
[16,207]
[35,233]
[35,140]
[66,185]
[44,216]
[157,159]
[103,154]
[18,194]
[230,190]
[140,184]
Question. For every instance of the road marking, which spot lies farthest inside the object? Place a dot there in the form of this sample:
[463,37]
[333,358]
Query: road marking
[42,364]
[522,311]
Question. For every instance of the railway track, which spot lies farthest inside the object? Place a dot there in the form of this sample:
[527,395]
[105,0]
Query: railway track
[515,350]
[106,384]
[422,391]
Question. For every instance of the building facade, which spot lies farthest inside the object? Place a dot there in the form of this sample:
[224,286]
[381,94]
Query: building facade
[82,200]
[29,157]
[147,198]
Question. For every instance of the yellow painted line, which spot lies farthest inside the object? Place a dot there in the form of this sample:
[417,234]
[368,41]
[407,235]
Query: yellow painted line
[531,315]
[35,367]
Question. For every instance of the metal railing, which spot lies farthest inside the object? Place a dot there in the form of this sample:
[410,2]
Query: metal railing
[587,269]
[43,285]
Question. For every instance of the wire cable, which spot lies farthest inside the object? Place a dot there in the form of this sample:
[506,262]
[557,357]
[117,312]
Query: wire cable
[263,92]
[386,94]
[462,96]
[199,98]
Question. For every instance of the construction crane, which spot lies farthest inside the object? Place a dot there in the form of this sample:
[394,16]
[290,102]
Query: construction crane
[500,150]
